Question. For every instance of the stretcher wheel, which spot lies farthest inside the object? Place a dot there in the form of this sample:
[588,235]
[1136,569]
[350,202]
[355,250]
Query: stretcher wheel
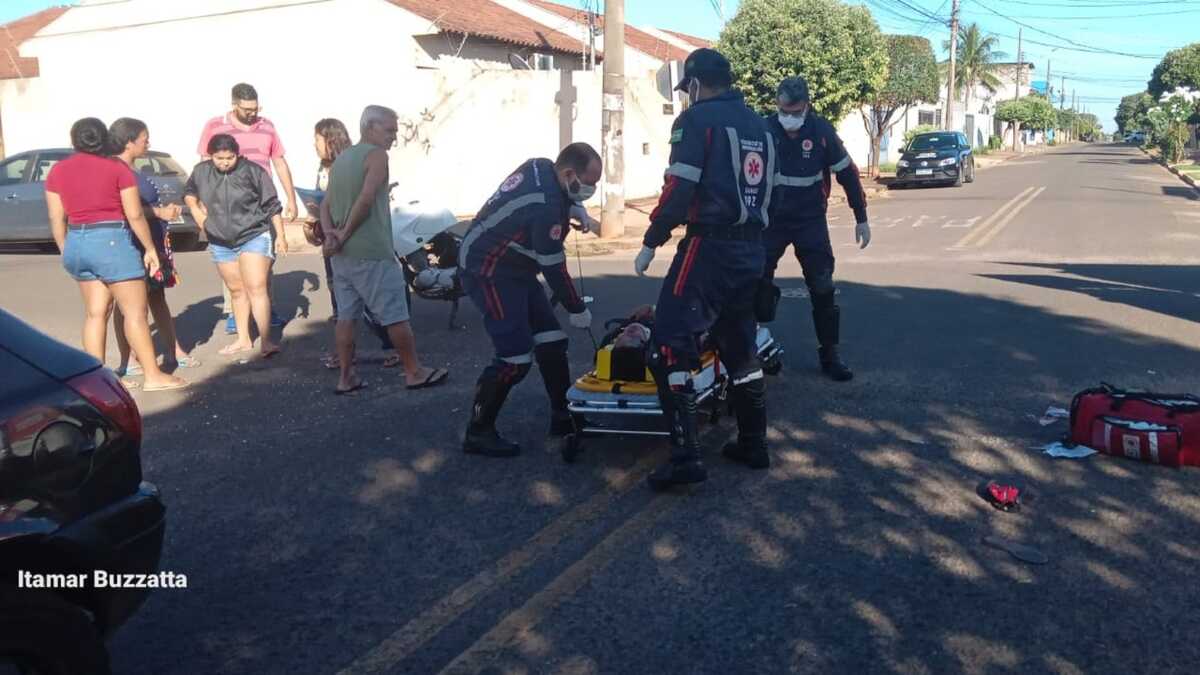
[572,446]
[773,366]
[714,416]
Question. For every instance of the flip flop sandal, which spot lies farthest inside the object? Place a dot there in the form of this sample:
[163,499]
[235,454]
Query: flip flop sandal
[188,361]
[436,377]
[1019,551]
[391,361]
[167,387]
[131,385]
[131,369]
[352,391]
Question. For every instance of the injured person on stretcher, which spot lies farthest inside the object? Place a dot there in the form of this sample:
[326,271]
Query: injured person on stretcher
[619,396]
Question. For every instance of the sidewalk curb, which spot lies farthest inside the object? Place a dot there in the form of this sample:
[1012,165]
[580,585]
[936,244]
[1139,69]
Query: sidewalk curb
[1176,172]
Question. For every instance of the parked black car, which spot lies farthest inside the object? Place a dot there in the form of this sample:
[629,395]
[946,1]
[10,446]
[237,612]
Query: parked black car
[937,157]
[25,220]
[72,501]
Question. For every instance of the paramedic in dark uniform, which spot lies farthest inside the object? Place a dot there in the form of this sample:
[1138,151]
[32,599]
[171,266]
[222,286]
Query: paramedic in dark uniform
[517,235]
[809,151]
[718,184]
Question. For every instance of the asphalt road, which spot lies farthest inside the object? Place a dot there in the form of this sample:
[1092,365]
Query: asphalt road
[324,534]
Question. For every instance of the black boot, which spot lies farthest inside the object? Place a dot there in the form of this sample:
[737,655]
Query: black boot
[482,437]
[827,321]
[556,375]
[749,402]
[685,466]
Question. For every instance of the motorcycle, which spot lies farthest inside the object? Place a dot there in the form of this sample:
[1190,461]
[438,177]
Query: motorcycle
[426,242]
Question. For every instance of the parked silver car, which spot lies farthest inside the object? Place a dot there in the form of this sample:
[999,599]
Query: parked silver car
[23,215]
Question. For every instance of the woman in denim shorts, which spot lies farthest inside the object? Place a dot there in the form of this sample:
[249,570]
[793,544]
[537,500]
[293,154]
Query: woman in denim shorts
[95,213]
[130,140]
[235,205]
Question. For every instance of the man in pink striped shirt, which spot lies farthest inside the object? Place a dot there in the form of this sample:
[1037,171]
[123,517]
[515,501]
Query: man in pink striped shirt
[259,143]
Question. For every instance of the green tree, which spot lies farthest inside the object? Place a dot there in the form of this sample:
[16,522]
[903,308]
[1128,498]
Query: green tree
[976,63]
[1179,68]
[1169,122]
[1131,112]
[837,48]
[912,78]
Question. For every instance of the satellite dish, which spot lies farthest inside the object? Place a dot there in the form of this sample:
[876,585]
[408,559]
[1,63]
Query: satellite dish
[517,62]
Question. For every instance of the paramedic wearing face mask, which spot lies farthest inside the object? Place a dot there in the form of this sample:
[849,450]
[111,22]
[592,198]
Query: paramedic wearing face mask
[518,234]
[718,185]
[809,152]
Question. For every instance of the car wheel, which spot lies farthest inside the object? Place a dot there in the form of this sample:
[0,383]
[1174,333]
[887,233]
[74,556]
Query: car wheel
[958,178]
[42,633]
[971,175]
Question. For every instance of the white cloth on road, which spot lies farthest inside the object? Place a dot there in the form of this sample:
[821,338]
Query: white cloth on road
[1057,449]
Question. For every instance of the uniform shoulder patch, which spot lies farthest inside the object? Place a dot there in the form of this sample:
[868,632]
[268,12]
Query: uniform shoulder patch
[677,135]
[512,182]
[556,232]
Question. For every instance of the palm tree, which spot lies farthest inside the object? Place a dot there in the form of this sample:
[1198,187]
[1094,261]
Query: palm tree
[976,63]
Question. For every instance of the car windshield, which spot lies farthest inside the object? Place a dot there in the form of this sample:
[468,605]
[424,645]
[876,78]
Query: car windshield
[933,142]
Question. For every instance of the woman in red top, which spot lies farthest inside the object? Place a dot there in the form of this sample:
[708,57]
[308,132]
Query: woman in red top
[95,211]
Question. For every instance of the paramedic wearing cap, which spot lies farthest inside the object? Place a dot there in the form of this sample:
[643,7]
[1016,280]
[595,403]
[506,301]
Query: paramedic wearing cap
[809,151]
[518,234]
[718,184]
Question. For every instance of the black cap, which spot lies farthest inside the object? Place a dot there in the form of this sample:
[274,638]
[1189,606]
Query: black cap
[702,64]
[793,90]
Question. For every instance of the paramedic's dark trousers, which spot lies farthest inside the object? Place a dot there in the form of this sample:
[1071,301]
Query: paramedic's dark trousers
[810,243]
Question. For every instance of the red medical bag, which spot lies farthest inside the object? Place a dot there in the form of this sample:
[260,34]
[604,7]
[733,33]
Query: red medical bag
[1151,427]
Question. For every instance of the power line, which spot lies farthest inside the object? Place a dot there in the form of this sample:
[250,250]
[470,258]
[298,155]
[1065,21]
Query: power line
[1106,16]
[1078,45]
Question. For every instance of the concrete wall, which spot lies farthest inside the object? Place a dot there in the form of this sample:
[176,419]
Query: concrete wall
[465,124]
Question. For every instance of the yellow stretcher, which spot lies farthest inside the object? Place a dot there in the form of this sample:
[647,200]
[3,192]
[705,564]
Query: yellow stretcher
[602,406]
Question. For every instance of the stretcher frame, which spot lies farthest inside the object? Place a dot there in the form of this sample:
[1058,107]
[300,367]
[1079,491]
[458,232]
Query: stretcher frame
[631,402]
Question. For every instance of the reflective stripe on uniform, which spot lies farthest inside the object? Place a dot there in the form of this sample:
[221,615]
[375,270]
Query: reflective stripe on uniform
[735,154]
[518,360]
[685,171]
[498,217]
[797,181]
[840,165]
[749,377]
[542,259]
[770,177]
[549,336]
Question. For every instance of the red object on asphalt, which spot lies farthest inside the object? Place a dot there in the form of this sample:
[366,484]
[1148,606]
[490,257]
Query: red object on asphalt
[1004,497]
[1151,427]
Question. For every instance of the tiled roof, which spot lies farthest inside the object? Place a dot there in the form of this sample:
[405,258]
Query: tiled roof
[488,19]
[638,39]
[699,42]
[12,34]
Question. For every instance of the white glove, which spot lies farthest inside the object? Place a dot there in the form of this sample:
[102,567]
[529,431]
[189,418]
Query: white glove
[643,261]
[862,234]
[586,223]
[581,320]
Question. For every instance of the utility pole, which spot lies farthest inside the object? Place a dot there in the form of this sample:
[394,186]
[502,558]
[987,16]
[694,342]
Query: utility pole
[953,59]
[612,121]
[1017,93]
[1074,115]
[591,28]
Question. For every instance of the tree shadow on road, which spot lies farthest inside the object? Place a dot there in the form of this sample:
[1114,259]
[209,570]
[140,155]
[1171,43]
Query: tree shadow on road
[1170,290]
[313,527]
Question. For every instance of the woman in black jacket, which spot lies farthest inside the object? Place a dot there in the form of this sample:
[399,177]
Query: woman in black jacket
[240,210]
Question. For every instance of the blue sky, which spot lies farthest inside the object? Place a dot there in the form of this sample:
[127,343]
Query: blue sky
[1146,27]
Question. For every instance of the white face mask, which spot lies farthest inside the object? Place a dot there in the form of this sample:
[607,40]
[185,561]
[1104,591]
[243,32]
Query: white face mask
[792,122]
[578,191]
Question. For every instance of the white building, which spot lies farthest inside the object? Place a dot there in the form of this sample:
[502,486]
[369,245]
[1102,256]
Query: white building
[479,86]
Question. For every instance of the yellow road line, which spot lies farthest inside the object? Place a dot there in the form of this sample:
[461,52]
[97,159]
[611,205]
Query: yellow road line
[1008,218]
[518,625]
[975,232]
[397,647]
